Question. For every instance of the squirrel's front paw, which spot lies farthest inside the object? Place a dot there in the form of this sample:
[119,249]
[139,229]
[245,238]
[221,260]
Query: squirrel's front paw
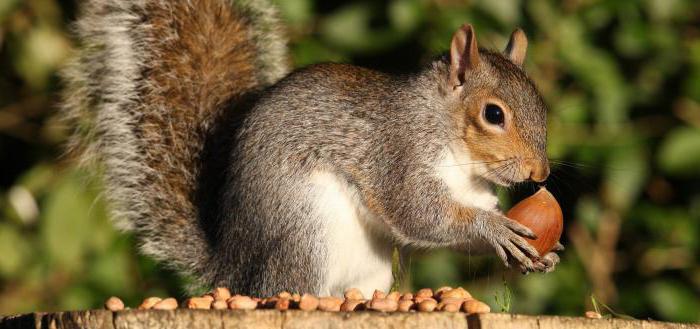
[506,237]
[550,260]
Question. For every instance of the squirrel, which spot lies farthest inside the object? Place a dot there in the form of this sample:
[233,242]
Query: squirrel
[232,168]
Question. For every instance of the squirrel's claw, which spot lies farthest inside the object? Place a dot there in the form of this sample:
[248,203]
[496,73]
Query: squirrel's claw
[558,247]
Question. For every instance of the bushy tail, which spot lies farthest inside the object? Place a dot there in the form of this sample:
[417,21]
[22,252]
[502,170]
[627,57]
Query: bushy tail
[149,82]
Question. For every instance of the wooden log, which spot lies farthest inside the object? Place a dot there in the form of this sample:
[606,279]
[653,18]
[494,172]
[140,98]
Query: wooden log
[273,319]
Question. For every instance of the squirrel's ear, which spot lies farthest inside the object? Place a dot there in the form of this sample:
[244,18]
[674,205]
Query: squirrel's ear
[464,54]
[517,47]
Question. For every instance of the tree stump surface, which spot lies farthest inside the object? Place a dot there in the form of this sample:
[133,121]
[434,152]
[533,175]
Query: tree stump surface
[272,319]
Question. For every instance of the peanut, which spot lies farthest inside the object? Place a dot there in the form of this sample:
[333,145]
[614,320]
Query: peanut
[219,305]
[296,297]
[394,295]
[450,305]
[282,304]
[593,315]
[166,304]
[353,293]
[308,302]
[427,305]
[383,305]
[350,305]
[405,305]
[425,293]
[242,303]
[465,293]
[441,289]
[407,296]
[455,293]
[378,294]
[148,303]
[329,304]
[114,304]
[200,303]
[221,293]
[285,294]
[473,306]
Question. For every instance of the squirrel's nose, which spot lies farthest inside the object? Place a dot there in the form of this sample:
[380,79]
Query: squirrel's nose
[539,170]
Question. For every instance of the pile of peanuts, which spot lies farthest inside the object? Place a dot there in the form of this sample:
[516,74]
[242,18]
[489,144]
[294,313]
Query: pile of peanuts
[445,299]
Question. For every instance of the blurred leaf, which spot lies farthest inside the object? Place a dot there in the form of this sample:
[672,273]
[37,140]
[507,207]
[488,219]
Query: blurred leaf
[15,251]
[112,271]
[505,11]
[296,12]
[679,153]
[65,224]
[6,7]
[348,27]
[625,175]
[674,301]
[588,212]
[405,15]
[44,49]
[309,52]
[437,270]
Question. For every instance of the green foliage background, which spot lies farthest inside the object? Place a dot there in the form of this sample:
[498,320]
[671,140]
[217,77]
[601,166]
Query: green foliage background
[622,79]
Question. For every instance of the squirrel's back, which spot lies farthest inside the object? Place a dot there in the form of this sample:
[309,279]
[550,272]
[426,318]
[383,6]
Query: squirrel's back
[150,83]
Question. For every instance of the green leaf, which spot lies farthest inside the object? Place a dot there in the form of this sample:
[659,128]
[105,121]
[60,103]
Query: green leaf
[625,176]
[673,300]
[679,153]
[15,251]
[66,227]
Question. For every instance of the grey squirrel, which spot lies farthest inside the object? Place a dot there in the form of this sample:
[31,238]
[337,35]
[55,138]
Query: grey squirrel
[232,169]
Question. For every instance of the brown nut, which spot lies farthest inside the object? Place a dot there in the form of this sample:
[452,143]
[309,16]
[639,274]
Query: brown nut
[114,304]
[219,304]
[353,293]
[542,214]
[593,315]
[166,304]
[405,305]
[450,305]
[456,293]
[221,293]
[282,304]
[242,303]
[465,294]
[441,289]
[296,297]
[285,294]
[330,304]
[350,305]
[425,293]
[308,302]
[394,295]
[378,294]
[427,305]
[383,305]
[148,303]
[208,297]
[199,303]
[406,296]
[473,306]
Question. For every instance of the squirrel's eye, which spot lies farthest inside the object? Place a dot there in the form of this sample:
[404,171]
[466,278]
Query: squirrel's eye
[494,114]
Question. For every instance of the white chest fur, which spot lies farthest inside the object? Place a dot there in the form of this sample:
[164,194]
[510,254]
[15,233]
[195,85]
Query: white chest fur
[460,174]
[359,253]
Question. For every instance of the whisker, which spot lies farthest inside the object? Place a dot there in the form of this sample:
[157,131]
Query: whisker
[475,162]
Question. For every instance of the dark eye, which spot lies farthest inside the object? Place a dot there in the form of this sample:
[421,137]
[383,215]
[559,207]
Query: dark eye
[494,114]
